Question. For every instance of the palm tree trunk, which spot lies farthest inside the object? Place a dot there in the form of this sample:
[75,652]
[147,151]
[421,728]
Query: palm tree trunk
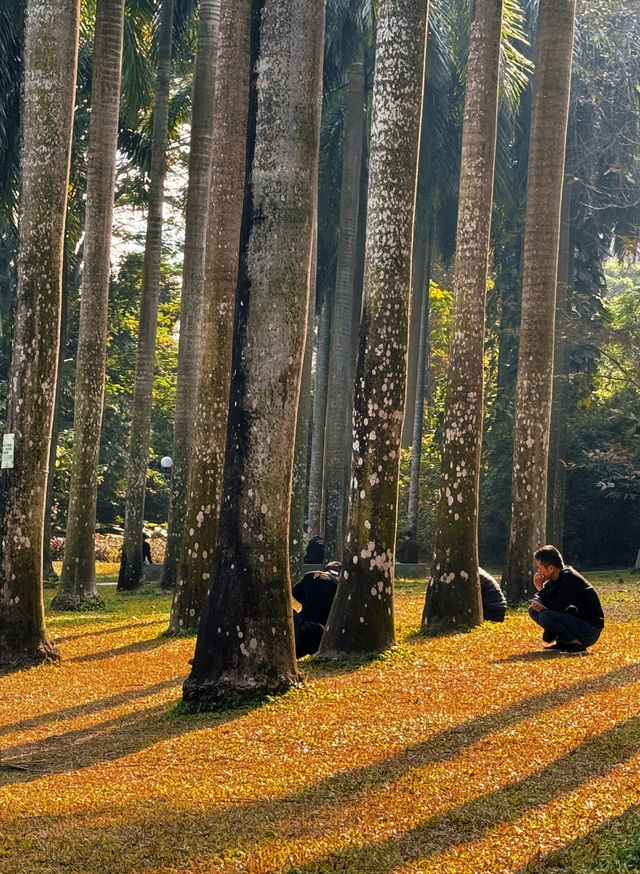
[245,641]
[551,84]
[49,576]
[131,562]
[415,324]
[197,212]
[361,618]
[78,590]
[316,465]
[558,433]
[51,48]
[340,384]
[421,372]
[453,594]
[300,462]
[231,108]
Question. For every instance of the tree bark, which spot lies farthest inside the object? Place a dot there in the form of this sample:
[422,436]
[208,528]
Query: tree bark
[51,47]
[78,590]
[418,415]
[228,170]
[415,323]
[197,213]
[245,641]
[453,594]
[316,464]
[361,618]
[551,84]
[131,563]
[558,433]
[340,383]
[301,452]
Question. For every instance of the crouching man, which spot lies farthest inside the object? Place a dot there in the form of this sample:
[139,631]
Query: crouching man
[566,606]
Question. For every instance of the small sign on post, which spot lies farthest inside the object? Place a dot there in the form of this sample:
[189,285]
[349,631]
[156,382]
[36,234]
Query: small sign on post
[7,450]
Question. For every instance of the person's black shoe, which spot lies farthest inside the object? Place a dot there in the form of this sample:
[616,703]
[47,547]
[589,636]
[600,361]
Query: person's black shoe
[548,636]
[572,648]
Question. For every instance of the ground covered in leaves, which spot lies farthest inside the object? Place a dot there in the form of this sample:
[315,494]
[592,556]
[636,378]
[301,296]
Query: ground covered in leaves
[467,753]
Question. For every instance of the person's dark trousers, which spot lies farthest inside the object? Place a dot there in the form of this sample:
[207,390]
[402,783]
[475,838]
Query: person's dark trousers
[494,615]
[307,636]
[565,627]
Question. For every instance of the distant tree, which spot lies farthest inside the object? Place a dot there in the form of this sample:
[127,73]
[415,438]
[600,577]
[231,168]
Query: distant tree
[193,275]
[78,583]
[204,491]
[453,594]
[340,378]
[131,562]
[51,46]
[361,618]
[551,83]
[245,641]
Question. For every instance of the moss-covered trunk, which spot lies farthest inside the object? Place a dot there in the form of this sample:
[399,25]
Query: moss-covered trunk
[193,275]
[551,85]
[130,575]
[78,588]
[361,618]
[51,46]
[221,274]
[453,594]
[245,641]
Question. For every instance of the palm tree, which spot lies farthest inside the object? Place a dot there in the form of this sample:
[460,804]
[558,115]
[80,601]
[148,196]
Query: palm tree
[204,491]
[197,212]
[245,641]
[51,47]
[340,381]
[78,584]
[554,41]
[361,618]
[131,562]
[453,595]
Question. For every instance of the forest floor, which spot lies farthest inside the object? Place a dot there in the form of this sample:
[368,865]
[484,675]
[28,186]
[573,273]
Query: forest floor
[475,753]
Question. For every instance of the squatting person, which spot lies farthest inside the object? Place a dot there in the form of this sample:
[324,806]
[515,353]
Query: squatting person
[566,606]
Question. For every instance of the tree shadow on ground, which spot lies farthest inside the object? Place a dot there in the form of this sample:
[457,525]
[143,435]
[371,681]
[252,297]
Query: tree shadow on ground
[109,740]
[615,845]
[88,707]
[81,634]
[470,821]
[137,646]
[245,824]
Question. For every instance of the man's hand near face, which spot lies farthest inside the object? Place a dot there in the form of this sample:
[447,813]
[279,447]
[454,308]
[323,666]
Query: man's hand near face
[539,580]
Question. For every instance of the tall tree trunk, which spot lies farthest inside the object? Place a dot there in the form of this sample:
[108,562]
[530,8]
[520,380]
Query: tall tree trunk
[316,464]
[197,212]
[340,384]
[361,618]
[551,83]
[558,433]
[78,590]
[51,49]
[131,563]
[301,452]
[245,641]
[421,372]
[453,594]
[49,576]
[415,323]
[228,171]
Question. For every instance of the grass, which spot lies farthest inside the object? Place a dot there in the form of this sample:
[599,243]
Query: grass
[467,753]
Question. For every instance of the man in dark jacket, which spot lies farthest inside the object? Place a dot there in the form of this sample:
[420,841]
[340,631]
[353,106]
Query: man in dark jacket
[566,606]
[315,591]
